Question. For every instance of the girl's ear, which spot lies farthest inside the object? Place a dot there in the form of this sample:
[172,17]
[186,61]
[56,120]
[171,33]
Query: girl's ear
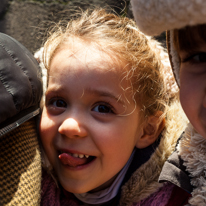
[151,130]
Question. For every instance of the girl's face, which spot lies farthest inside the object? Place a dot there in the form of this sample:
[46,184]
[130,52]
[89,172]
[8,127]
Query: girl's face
[90,123]
[193,84]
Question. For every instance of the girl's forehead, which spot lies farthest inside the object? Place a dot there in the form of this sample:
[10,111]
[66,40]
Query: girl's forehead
[81,46]
[88,55]
[86,63]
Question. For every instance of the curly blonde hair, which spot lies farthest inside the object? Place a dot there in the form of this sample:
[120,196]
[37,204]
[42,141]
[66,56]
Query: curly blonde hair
[120,37]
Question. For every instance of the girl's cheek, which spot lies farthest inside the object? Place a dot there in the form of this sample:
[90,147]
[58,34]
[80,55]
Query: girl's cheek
[45,126]
[42,130]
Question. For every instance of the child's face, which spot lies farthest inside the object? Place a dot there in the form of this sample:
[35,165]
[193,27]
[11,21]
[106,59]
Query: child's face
[193,85]
[89,125]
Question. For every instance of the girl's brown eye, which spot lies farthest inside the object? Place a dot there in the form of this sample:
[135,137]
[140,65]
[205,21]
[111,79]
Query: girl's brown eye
[102,109]
[59,103]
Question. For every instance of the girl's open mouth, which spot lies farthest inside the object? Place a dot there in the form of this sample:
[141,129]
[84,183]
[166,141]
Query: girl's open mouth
[75,160]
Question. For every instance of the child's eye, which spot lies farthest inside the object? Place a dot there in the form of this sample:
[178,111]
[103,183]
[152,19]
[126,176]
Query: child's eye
[56,106]
[196,58]
[58,103]
[101,108]
[200,57]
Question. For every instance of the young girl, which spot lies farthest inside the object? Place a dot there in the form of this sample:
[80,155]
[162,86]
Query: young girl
[186,40]
[105,127]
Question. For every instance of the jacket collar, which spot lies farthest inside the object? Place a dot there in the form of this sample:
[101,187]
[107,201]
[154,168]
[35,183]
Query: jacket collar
[192,149]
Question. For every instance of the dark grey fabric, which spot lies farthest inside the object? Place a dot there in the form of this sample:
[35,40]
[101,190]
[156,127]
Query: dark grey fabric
[20,81]
[174,171]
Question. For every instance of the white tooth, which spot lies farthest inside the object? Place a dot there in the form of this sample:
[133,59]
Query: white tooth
[81,155]
[87,156]
[75,155]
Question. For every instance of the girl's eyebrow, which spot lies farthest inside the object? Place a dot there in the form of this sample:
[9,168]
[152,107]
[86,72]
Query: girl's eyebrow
[186,52]
[54,91]
[193,47]
[101,93]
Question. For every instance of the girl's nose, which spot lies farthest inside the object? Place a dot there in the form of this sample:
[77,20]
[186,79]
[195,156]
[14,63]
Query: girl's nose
[72,129]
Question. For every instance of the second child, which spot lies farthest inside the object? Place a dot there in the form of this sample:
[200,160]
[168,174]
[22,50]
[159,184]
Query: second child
[185,22]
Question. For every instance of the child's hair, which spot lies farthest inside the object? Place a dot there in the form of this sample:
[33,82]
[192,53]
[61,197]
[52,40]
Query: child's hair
[120,37]
[184,38]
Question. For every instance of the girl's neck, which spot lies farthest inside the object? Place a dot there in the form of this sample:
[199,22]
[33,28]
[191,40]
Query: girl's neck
[104,186]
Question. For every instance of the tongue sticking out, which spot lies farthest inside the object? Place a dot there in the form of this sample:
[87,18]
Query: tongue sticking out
[71,161]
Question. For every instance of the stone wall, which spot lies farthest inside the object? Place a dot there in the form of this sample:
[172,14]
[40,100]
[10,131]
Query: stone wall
[26,20]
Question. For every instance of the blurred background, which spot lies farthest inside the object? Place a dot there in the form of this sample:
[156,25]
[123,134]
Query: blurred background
[27,20]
